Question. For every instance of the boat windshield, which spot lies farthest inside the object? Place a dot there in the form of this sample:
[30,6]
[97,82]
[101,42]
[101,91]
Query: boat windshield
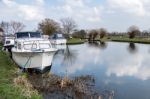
[35,35]
[28,35]
[58,36]
[22,35]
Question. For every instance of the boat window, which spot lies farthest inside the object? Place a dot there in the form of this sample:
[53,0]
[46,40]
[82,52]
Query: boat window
[60,36]
[44,45]
[23,35]
[30,46]
[35,35]
[19,46]
[7,42]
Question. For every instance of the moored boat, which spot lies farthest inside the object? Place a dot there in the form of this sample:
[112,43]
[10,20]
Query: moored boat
[32,51]
[8,43]
[58,38]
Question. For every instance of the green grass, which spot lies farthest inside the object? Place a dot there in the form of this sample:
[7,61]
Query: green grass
[8,90]
[75,41]
[134,40]
[112,38]
[0,46]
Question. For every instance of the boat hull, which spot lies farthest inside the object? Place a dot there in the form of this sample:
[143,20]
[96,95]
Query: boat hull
[38,60]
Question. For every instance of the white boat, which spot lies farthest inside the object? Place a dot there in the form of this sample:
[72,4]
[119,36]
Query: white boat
[8,42]
[58,38]
[32,51]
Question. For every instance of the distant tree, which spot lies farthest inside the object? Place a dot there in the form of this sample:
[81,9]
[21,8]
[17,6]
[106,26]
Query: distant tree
[102,32]
[79,34]
[92,35]
[82,33]
[16,26]
[5,26]
[11,27]
[1,30]
[145,33]
[48,26]
[68,25]
[133,31]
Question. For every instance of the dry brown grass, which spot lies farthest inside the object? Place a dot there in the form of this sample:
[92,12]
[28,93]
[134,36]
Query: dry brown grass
[27,88]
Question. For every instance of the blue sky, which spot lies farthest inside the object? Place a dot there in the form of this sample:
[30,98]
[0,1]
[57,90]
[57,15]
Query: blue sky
[114,15]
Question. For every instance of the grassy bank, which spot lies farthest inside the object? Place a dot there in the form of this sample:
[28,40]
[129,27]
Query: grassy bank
[8,89]
[134,40]
[0,46]
[75,41]
[113,38]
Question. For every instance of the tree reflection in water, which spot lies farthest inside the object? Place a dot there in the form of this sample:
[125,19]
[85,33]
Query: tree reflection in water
[70,56]
[98,44]
[57,87]
[103,45]
[132,48]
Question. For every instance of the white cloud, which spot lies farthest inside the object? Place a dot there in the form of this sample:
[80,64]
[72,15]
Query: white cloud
[87,13]
[134,66]
[9,3]
[40,2]
[137,7]
[22,11]
[30,12]
[79,10]
[75,3]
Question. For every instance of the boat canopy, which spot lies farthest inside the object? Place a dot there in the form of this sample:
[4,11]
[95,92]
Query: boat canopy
[28,35]
[57,36]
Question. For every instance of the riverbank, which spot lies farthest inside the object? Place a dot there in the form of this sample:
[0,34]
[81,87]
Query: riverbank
[8,88]
[73,41]
[134,40]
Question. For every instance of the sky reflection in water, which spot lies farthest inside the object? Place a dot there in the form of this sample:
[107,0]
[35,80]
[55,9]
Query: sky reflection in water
[123,67]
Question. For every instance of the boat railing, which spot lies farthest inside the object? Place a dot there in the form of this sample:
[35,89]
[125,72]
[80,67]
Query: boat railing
[34,45]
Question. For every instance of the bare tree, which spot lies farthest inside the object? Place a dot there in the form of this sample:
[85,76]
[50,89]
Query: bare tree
[133,31]
[16,26]
[102,32]
[48,26]
[68,25]
[5,26]
[11,27]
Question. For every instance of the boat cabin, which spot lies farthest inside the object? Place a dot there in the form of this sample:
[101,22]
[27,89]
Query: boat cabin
[31,41]
[58,38]
[21,35]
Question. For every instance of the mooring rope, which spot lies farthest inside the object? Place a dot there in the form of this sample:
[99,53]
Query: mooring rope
[28,60]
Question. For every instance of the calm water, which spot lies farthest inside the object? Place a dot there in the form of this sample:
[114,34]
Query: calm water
[122,67]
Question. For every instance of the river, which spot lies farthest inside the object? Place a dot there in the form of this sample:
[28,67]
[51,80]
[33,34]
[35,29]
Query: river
[121,67]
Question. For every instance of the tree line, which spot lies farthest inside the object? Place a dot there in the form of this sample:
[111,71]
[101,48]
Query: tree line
[46,26]
[11,27]
[69,27]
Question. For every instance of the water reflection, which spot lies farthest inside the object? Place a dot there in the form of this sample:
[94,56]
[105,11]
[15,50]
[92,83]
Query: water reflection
[132,48]
[98,44]
[103,44]
[120,63]
[69,56]
[114,68]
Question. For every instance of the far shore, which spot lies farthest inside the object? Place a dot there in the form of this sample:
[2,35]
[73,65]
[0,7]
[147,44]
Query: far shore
[74,41]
